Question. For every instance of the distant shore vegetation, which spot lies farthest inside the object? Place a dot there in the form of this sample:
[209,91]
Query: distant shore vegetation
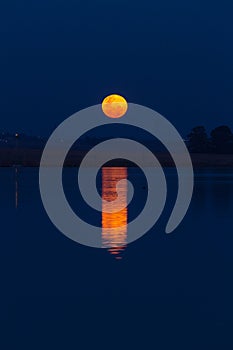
[213,150]
[220,140]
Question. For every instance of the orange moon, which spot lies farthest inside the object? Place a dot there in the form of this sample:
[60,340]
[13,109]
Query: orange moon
[114,106]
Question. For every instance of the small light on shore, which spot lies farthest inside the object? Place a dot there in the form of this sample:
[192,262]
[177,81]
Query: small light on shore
[16,135]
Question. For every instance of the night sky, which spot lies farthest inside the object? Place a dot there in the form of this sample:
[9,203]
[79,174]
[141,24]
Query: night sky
[59,56]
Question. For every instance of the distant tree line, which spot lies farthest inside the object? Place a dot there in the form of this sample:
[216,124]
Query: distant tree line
[219,141]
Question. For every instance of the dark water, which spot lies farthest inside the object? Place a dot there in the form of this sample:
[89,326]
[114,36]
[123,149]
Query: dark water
[175,289]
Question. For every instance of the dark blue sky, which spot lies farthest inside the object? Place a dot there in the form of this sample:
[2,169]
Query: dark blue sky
[60,56]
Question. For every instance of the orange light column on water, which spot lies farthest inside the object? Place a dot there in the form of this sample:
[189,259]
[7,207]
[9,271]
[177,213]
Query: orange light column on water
[114,106]
[114,225]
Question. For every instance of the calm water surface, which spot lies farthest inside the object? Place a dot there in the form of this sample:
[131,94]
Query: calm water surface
[186,276]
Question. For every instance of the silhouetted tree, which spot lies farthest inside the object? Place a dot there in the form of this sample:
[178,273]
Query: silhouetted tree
[198,141]
[222,139]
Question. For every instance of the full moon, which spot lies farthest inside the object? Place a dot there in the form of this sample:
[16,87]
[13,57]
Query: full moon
[114,106]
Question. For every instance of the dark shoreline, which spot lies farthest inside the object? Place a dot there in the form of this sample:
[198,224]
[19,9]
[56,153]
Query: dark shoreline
[31,158]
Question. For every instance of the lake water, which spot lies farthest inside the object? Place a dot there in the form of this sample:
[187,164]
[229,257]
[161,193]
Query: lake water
[182,281]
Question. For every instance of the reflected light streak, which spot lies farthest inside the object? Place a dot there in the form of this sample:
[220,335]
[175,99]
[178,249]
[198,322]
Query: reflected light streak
[114,225]
[16,189]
